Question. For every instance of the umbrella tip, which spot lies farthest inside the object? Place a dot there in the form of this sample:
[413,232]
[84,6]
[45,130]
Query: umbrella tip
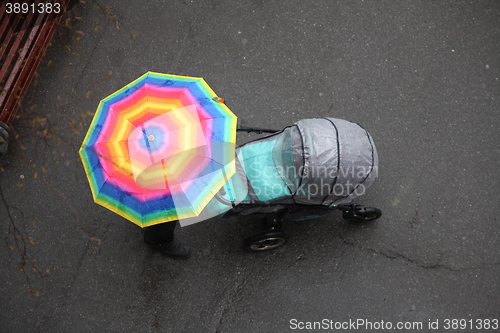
[218,99]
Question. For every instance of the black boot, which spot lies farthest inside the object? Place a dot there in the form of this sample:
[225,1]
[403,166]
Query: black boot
[161,238]
[174,249]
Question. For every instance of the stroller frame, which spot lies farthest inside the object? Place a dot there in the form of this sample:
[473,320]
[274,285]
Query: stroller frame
[273,215]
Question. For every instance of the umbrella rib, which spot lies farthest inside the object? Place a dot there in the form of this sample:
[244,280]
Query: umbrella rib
[164,168]
[146,139]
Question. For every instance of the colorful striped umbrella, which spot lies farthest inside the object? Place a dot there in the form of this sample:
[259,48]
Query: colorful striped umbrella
[159,149]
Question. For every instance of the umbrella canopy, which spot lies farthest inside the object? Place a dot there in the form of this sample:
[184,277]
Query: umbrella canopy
[159,149]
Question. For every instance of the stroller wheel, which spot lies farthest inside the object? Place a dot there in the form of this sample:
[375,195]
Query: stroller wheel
[265,241]
[358,213]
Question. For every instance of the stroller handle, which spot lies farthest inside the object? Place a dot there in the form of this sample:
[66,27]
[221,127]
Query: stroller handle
[254,130]
[224,201]
[251,203]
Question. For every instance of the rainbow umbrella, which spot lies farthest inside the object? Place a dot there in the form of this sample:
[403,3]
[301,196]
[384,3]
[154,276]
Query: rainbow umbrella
[159,149]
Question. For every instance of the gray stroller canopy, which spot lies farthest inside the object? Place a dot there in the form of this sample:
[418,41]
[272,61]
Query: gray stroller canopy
[323,161]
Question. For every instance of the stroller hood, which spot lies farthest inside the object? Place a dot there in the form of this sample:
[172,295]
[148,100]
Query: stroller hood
[325,161]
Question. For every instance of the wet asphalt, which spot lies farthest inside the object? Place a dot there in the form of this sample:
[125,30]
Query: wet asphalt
[421,76]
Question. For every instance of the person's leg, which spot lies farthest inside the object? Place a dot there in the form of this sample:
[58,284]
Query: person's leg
[160,233]
[161,238]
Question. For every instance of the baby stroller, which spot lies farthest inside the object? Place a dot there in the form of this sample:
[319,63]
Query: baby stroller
[301,172]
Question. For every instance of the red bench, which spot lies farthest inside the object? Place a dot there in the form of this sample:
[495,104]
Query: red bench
[24,37]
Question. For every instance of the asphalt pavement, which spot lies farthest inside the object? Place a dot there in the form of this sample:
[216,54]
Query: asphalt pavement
[421,76]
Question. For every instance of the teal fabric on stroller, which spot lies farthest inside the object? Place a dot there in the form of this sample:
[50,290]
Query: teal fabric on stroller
[261,171]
